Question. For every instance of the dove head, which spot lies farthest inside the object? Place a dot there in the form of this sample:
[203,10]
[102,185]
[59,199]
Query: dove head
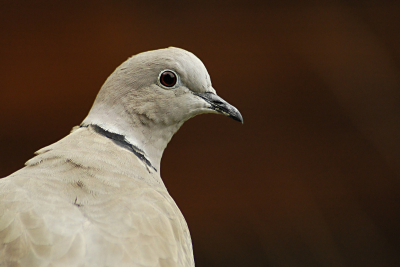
[149,96]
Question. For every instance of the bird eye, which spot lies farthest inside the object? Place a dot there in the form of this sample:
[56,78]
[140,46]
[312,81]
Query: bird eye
[168,78]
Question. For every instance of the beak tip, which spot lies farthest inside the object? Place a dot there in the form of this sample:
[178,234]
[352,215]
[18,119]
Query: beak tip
[237,117]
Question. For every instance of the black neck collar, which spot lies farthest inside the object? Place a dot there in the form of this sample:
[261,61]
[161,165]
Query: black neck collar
[120,140]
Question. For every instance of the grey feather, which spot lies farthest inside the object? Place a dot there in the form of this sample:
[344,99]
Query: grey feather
[89,200]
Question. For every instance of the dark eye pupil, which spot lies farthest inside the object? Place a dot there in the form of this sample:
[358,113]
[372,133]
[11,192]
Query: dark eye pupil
[168,78]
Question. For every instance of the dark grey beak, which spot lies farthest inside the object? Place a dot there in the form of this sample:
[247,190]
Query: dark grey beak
[220,105]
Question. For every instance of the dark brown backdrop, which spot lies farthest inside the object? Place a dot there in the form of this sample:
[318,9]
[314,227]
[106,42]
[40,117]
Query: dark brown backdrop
[312,178]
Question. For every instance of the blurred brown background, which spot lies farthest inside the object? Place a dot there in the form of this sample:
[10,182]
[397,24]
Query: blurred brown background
[312,178]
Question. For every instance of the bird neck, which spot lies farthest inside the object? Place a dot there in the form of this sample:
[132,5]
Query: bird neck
[146,140]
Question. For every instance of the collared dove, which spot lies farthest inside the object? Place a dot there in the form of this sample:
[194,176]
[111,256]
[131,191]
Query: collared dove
[96,198]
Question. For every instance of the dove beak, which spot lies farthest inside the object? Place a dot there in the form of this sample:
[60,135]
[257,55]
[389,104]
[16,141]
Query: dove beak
[221,106]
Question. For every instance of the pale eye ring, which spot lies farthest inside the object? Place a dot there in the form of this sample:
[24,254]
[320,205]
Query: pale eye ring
[168,78]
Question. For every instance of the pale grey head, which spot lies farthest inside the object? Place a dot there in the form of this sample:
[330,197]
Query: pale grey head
[149,96]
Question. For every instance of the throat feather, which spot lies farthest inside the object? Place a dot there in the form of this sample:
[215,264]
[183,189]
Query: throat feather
[121,141]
